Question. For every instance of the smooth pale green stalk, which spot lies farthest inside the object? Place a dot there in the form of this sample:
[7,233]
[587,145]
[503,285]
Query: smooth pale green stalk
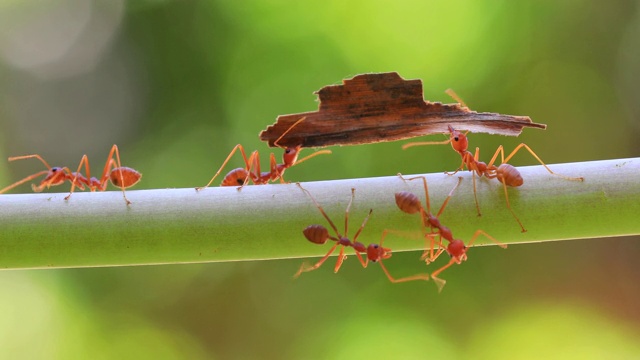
[266,221]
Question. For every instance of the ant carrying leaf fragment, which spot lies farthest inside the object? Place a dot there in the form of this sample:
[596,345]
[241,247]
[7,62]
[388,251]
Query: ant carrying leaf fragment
[409,203]
[506,173]
[319,235]
[241,176]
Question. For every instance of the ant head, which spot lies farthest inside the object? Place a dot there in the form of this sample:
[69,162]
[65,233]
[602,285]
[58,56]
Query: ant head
[459,140]
[457,249]
[290,155]
[55,176]
[376,252]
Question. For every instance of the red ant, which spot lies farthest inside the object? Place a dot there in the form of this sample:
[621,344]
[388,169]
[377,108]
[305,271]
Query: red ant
[507,174]
[121,176]
[319,234]
[251,171]
[410,204]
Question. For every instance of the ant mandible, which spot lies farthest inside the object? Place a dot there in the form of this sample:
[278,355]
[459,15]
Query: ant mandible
[507,174]
[410,204]
[319,234]
[251,171]
[120,176]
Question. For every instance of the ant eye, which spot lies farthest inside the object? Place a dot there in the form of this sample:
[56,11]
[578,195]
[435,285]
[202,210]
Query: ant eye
[455,138]
[375,246]
[287,151]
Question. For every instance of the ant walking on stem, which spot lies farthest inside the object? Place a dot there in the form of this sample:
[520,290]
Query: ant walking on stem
[120,176]
[410,204]
[507,174]
[319,234]
[241,176]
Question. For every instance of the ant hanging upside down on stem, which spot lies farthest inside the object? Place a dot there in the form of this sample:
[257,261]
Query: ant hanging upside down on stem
[319,234]
[409,203]
[241,176]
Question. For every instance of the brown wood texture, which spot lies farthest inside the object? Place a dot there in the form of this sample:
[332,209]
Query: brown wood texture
[371,108]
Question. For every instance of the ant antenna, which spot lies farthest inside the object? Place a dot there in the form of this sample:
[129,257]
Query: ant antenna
[288,130]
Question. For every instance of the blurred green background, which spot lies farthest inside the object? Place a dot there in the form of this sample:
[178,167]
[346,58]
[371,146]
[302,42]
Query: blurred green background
[176,84]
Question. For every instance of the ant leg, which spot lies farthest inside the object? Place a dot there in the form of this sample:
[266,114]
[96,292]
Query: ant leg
[384,268]
[305,267]
[500,151]
[439,282]
[346,213]
[333,226]
[446,201]
[460,168]
[85,161]
[481,232]
[363,262]
[431,256]
[244,156]
[404,279]
[426,192]
[346,226]
[273,170]
[105,174]
[364,222]
[406,234]
[506,196]
[475,192]
[341,257]
[252,163]
[476,157]
[523,145]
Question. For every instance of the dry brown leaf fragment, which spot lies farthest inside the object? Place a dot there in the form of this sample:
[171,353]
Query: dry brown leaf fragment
[371,108]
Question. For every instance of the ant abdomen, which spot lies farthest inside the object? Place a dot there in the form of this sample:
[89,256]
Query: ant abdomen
[130,177]
[408,202]
[316,234]
[235,177]
[509,175]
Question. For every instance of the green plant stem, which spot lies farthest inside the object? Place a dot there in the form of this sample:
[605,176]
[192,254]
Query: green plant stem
[266,221]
